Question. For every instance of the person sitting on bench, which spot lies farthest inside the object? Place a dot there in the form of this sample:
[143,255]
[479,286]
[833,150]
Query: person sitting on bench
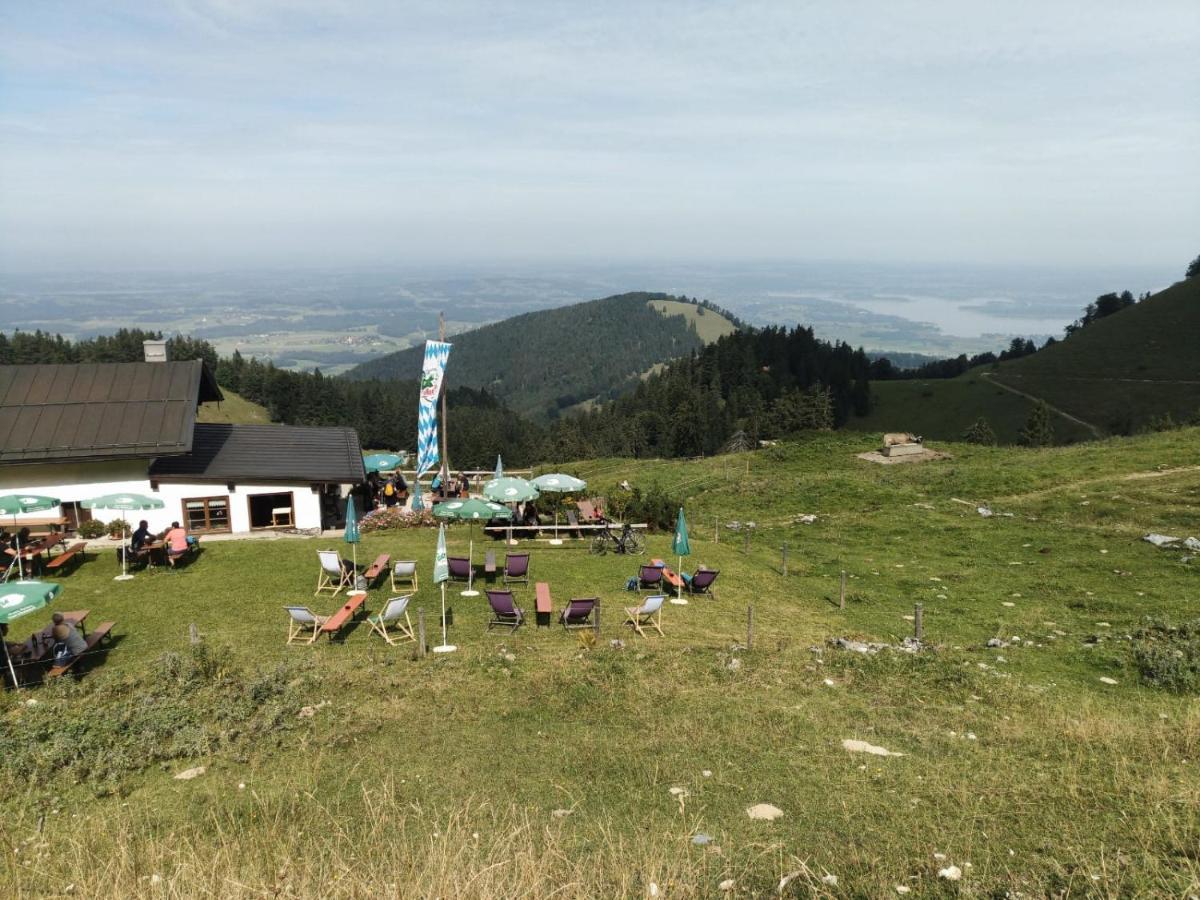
[68,644]
[176,540]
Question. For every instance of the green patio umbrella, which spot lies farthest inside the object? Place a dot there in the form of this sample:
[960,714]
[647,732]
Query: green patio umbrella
[441,574]
[681,548]
[352,536]
[510,490]
[558,483]
[12,504]
[382,462]
[125,503]
[471,510]
[20,598]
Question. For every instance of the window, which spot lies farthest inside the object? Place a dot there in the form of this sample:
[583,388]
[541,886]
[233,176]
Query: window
[206,514]
[271,510]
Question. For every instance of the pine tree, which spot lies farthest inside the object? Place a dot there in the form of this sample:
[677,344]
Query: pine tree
[980,433]
[1038,432]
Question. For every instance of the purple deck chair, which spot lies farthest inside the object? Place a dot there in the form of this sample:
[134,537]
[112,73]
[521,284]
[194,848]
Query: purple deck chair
[516,568]
[702,581]
[578,613]
[504,611]
[650,578]
[460,568]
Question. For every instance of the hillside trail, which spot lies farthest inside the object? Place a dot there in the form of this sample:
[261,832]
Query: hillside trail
[1103,479]
[1054,409]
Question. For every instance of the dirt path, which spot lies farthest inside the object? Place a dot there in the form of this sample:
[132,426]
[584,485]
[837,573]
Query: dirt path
[1054,409]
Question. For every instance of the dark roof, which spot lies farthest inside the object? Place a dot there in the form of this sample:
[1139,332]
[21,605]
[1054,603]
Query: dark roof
[88,411]
[267,453]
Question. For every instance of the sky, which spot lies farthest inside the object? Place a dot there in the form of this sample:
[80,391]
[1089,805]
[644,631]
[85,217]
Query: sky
[212,134]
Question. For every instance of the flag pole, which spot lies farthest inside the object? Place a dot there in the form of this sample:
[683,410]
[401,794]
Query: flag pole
[445,440]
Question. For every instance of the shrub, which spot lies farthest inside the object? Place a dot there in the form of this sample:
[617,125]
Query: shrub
[92,528]
[1168,656]
[385,519]
[118,528]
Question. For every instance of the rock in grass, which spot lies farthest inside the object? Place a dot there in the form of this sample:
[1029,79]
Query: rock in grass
[950,873]
[863,747]
[189,774]
[727,885]
[1106,680]
[701,839]
[764,812]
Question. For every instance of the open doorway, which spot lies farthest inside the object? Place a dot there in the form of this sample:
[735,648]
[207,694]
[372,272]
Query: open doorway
[272,510]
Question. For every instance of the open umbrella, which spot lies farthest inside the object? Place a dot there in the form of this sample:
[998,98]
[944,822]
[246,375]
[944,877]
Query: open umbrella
[558,483]
[510,490]
[125,503]
[20,598]
[12,504]
[382,462]
[352,536]
[441,574]
[681,548]
[472,510]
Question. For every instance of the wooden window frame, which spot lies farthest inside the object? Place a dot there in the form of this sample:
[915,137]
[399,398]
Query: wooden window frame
[186,520]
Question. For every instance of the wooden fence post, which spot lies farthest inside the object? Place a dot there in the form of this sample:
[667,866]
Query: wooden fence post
[919,622]
[749,627]
[842,592]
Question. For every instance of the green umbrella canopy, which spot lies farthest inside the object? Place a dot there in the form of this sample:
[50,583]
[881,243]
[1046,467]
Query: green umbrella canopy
[559,483]
[382,462]
[12,504]
[510,490]
[471,509]
[20,598]
[127,502]
[351,536]
[680,545]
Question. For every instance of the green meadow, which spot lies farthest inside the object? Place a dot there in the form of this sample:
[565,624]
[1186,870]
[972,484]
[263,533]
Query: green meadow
[539,764]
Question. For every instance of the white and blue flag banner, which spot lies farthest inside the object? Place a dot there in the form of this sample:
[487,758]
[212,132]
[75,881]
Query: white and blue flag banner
[432,373]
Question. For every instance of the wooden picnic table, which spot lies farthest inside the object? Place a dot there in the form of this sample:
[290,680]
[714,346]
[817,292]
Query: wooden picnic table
[40,642]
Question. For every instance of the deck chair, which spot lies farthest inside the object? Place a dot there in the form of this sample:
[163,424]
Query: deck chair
[395,614]
[460,568]
[648,615]
[516,568]
[586,510]
[336,573]
[701,582]
[650,578]
[578,613]
[404,571]
[303,619]
[504,611]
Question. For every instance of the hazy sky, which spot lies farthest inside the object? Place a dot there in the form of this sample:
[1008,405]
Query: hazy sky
[221,133]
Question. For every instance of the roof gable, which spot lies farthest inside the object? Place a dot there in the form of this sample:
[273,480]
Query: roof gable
[267,453]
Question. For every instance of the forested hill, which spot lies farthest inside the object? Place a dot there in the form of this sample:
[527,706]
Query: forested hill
[544,363]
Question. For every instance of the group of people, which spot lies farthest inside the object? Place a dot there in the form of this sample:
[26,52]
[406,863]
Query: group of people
[175,541]
[385,492]
[68,642]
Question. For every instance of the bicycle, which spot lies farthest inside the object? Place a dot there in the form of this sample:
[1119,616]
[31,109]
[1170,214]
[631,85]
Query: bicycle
[627,542]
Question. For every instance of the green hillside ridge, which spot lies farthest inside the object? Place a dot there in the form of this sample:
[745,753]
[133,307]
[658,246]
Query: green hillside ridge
[545,763]
[545,362]
[233,410]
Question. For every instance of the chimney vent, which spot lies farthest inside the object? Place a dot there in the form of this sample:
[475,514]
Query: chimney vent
[156,351]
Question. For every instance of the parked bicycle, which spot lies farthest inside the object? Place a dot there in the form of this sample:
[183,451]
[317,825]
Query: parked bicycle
[627,541]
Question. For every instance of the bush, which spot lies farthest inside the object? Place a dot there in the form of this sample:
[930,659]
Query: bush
[119,528]
[655,507]
[385,519]
[92,528]
[1168,656]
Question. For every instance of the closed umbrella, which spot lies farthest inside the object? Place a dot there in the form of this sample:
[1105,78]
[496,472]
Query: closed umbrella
[558,483]
[12,504]
[20,598]
[125,503]
[681,548]
[352,536]
[471,510]
[441,574]
[417,503]
[499,473]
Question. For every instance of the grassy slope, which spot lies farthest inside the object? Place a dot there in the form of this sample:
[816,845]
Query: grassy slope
[709,325]
[440,776]
[942,409]
[233,410]
[1143,361]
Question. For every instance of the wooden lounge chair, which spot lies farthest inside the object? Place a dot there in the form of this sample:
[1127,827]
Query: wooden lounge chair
[578,613]
[650,578]
[504,611]
[673,578]
[395,615]
[701,582]
[302,619]
[460,568]
[336,573]
[516,568]
[405,572]
[648,615]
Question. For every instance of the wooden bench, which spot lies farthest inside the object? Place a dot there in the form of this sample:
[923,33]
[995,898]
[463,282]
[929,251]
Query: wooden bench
[68,554]
[100,633]
[377,568]
[338,620]
[543,606]
[489,565]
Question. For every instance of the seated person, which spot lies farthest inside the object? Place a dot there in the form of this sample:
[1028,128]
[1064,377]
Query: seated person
[464,485]
[140,538]
[176,540]
[401,485]
[68,644]
[59,619]
[390,493]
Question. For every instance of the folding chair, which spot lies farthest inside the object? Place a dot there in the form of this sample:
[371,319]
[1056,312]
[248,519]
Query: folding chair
[504,611]
[650,578]
[301,620]
[395,614]
[405,571]
[578,613]
[460,568]
[335,574]
[516,568]
[648,615]
[702,582]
